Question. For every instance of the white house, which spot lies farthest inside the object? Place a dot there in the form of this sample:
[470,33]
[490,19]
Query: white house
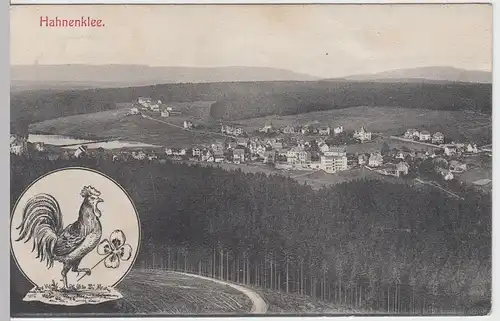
[18,144]
[207,156]
[230,130]
[304,156]
[438,138]
[80,151]
[375,160]
[445,173]
[362,135]
[326,164]
[164,113]
[402,168]
[179,152]
[187,124]
[16,149]
[134,111]
[39,146]
[324,148]
[424,135]
[472,148]
[292,155]
[336,151]
[450,150]
[332,164]
[218,156]
[339,163]
[145,101]
[288,130]
[411,133]
[139,155]
[324,131]
[266,129]
[338,130]
[269,156]
[362,159]
[457,167]
[238,156]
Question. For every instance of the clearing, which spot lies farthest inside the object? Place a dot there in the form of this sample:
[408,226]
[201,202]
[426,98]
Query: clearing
[116,124]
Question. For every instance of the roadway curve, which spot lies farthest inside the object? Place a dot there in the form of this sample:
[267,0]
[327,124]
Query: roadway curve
[259,305]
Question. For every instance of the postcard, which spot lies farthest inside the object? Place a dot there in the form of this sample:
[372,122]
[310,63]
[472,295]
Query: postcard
[241,160]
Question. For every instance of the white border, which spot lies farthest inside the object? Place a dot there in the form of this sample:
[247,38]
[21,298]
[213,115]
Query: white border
[494,314]
[14,2]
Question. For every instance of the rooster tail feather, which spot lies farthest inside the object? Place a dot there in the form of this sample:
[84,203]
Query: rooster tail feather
[41,222]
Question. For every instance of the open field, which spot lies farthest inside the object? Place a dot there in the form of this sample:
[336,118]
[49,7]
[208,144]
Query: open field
[455,125]
[478,173]
[116,124]
[160,292]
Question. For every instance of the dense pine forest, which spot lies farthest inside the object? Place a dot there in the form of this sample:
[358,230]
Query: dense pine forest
[241,100]
[368,244]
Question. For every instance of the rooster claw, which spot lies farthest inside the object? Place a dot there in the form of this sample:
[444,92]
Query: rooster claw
[85,271]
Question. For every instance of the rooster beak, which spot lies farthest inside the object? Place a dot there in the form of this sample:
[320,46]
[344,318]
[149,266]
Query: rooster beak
[100,200]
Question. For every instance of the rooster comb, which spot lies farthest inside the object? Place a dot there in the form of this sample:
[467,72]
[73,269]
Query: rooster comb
[88,191]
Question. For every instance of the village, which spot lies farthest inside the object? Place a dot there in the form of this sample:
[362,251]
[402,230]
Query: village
[304,148]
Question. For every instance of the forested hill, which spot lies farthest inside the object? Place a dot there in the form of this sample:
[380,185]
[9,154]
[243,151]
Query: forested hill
[376,234]
[240,100]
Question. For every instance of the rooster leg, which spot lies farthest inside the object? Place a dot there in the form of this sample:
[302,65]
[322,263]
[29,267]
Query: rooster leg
[75,268]
[64,273]
[85,270]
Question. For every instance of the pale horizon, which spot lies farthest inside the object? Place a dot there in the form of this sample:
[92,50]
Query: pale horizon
[323,41]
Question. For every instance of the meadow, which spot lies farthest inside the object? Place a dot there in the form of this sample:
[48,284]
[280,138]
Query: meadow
[117,124]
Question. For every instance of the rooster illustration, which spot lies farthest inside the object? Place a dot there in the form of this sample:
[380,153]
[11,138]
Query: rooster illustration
[42,222]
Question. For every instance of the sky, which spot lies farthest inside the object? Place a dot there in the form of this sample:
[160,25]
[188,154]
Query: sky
[319,40]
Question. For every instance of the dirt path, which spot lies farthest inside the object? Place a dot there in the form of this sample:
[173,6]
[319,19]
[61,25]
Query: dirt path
[202,132]
[259,305]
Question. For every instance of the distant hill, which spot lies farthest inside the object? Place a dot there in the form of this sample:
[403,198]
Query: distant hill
[242,100]
[93,76]
[426,74]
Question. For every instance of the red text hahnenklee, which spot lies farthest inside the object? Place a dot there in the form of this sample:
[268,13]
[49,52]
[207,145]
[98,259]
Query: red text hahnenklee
[83,22]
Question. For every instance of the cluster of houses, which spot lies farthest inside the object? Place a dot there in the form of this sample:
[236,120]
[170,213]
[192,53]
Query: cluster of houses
[232,130]
[296,155]
[424,136]
[361,135]
[148,104]
[308,129]
[18,144]
[392,165]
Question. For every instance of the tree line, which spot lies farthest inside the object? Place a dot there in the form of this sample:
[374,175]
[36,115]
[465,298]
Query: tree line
[265,98]
[368,244]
